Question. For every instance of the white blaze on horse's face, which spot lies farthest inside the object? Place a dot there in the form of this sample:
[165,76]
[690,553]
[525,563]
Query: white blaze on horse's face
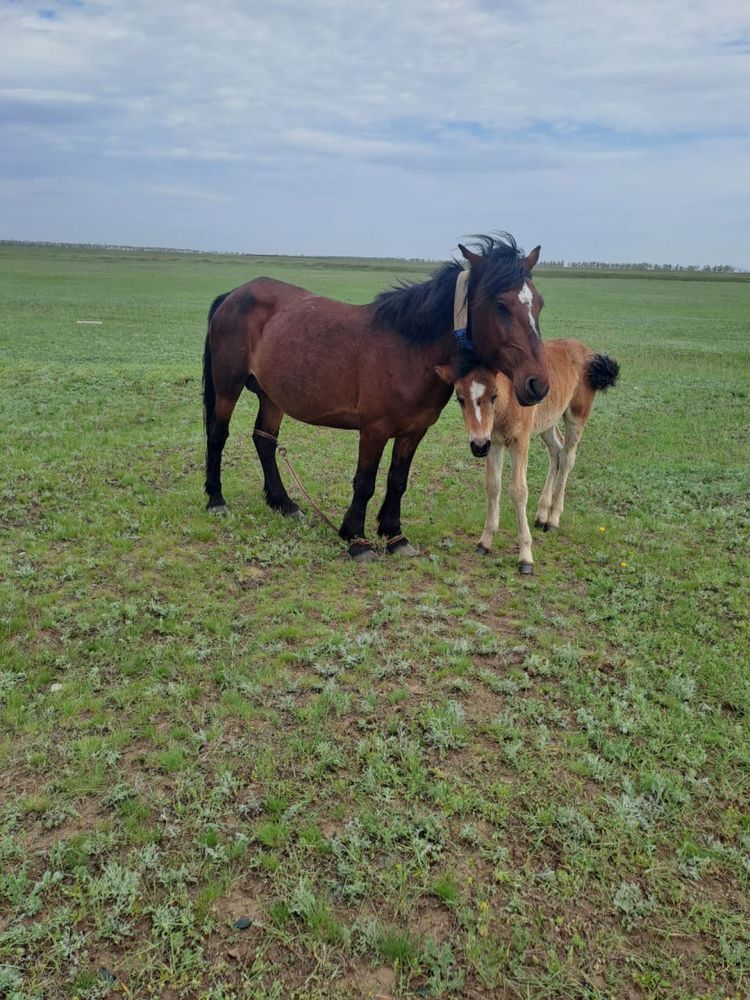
[526,298]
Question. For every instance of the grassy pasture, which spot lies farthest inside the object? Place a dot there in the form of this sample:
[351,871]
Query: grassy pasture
[235,764]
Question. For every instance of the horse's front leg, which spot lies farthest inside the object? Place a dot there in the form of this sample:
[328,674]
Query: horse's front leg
[353,527]
[519,495]
[389,516]
[493,480]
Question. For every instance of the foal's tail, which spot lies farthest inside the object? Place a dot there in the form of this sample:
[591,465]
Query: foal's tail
[209,392]
[602,372]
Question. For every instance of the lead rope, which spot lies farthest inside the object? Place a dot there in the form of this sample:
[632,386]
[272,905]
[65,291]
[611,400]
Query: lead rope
[283,452]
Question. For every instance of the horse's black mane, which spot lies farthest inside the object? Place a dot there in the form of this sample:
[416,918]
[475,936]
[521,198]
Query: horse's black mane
[421,312]
[503,263]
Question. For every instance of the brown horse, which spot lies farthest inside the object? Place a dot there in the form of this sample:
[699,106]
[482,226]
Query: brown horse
[495,421]
[369,368]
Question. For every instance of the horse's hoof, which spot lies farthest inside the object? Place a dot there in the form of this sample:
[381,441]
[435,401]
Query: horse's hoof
[539,523]
[219,510]
[550,527]
[361,551]
[295,515]
[526,568]
[287,508]
[362,555]
[402,547]
[482,550]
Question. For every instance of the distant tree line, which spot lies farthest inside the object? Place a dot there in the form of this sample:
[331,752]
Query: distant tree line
[105,246]
[598,265]
[573,265]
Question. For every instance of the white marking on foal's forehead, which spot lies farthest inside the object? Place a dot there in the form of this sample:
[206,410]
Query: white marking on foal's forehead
[526,297]
[476,391]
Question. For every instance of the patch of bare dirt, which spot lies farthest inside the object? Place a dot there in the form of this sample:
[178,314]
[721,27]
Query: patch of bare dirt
[244,900]
[372,984]
[85,820]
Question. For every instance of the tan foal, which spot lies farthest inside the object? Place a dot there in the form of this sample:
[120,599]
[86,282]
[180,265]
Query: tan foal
[495,421]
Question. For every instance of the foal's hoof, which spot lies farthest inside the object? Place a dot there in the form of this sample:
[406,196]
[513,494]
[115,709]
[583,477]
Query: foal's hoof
[526,568]
[362,553]
[550,527]
[482,550]
[295,515]
[539,523]
[219,510]
[400,546]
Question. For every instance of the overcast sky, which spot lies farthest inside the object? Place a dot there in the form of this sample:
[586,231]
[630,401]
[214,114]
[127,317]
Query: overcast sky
[602,130]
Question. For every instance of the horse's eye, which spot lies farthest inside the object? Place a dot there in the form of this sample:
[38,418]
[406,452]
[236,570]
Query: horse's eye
[502,308]
[493,398]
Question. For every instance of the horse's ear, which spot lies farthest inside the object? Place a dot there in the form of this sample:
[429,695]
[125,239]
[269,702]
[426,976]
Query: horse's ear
[530,262]
[473,258]
[446,373]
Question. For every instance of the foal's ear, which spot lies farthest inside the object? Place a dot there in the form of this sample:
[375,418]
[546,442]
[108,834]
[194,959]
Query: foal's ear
[473,258]
[446,373]
[530,262]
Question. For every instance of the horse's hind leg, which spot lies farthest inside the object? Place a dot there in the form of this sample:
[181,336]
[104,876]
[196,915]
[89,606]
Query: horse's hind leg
[269,421]
[389,516]
[217,432]
[554,443]
[573,430]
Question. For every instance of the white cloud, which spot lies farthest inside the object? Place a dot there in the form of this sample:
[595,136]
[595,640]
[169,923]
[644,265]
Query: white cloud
[33,95]
[184,193]
[264,101]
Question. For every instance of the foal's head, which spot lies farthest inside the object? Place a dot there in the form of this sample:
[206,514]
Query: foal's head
[504,308]
[479,394]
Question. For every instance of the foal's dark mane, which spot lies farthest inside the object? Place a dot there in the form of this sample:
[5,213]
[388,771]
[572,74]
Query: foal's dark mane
[421,312]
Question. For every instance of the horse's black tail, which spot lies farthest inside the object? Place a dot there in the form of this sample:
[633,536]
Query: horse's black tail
[602,372]
[209,392]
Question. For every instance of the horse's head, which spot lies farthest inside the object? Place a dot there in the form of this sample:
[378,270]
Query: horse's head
[479,393]
[504,308]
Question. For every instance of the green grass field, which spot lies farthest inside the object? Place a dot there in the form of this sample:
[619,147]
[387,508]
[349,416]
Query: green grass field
[234,764]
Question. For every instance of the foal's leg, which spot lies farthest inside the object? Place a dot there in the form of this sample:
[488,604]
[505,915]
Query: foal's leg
[493,478]
[519,494]
[269,421]
[353,526]
[389,516]
[554,442]
[573,431]
[217,432]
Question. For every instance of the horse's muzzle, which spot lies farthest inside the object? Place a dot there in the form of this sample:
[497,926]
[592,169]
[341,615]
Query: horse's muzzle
[480,448]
